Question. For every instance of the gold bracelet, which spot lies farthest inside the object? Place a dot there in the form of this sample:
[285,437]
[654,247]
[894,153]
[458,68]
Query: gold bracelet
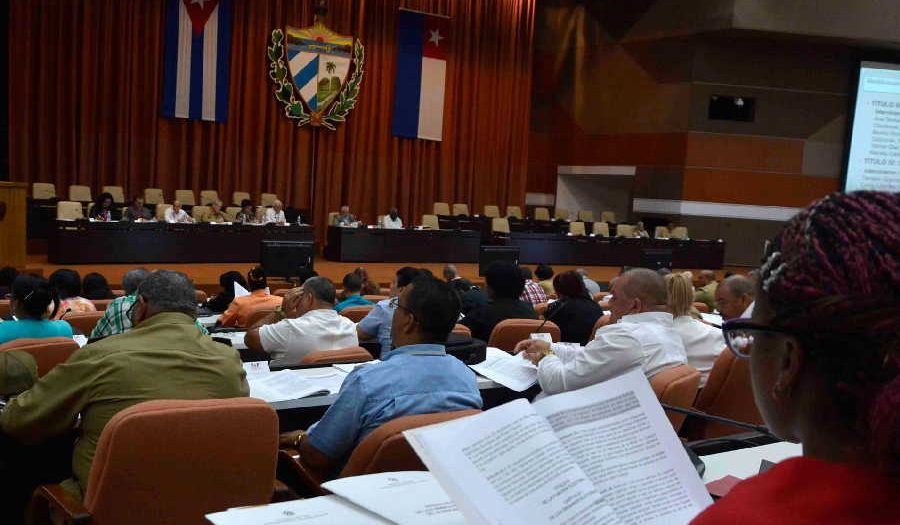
[298,439]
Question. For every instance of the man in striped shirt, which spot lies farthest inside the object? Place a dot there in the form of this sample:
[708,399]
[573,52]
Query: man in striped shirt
[533,292]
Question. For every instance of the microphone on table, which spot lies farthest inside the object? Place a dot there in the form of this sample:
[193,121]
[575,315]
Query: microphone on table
[719,419]
[553,314]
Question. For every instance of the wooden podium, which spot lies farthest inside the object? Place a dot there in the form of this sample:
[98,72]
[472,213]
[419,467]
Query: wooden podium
[12,223]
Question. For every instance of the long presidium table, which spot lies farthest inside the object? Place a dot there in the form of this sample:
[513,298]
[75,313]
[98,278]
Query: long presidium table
[83,242]
[377,245]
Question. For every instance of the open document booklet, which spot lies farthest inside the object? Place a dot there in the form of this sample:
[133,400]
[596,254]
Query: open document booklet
[284,385]
[602,454]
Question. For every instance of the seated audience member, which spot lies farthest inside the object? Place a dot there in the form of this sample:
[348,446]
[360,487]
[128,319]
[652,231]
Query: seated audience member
[592,287]
[641,336]
[215,213]
[369,287]
[163,357]
[95,286]
[504,287]
[8,274]
[176,214]
[392,220]
[352,288]
[544,274]
[345,218]
[137,212]
[824,351]
[470,296]
[259,299]
[450,273]
[246,215]
[220,302]
[117,317]
[575,313]
[67,284]
[702,343]
[533,292]
[734,297]
[30,299]
[306,323]
[417,377]
[102,210]
[275,214]
[706,292]
[377,323]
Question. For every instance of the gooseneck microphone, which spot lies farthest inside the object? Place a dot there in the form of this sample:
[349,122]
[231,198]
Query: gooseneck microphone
[719,419]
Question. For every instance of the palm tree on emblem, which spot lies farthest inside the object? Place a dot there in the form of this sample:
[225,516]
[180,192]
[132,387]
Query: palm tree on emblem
[330,67]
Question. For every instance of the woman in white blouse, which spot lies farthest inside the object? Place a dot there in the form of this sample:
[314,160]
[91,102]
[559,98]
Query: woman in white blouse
[702,342]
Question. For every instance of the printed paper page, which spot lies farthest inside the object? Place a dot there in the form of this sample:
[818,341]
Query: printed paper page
[324,510]
[285,385]
[256,368]
[349,367]
[512,371]
[406,498]
[617,432]
[507,466]
[240,291]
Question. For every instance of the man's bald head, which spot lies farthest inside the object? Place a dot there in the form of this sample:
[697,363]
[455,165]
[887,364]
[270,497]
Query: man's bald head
[706,277]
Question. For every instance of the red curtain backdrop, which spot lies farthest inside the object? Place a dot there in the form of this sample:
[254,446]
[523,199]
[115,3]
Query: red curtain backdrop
[85,95]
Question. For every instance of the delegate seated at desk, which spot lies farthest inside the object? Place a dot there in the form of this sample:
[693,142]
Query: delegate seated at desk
[246,215]
[137,212]
[176,214]
[215,214]
[392,220]
[102,210]
[344,218]
[275,214]
[418,377]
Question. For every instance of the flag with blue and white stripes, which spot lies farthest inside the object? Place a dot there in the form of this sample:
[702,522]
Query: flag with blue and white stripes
[197,57]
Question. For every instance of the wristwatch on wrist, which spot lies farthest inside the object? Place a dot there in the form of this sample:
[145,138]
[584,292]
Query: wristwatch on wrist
[299,439]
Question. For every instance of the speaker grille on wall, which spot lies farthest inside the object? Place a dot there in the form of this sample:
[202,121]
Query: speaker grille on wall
[738,109]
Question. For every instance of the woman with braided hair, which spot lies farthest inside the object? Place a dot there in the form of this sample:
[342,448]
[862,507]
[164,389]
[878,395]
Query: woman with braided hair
[824,350]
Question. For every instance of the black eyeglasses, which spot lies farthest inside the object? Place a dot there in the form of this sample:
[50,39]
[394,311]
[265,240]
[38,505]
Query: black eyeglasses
[395,303]
[741,333]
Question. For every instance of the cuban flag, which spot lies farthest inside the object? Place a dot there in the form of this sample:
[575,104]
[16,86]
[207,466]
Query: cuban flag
[198,51]
[423,43]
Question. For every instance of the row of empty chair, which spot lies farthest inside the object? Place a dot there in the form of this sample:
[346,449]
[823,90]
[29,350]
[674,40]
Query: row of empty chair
[540,214]
[577,228]
[70,211]
[80,193]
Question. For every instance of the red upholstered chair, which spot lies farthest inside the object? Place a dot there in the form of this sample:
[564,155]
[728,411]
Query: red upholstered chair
[462,329]
[172,462]
[47,352]
[385,449]
[353,354]
[510,331]
[676,386]
[728,393]
[356,313]
[5,308]
[376,298]
[101,304]
[85,321]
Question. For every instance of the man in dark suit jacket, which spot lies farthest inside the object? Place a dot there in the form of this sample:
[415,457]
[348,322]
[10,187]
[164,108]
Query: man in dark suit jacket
[504,286]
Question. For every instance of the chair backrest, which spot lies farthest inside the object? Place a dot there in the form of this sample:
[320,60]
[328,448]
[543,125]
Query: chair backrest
[281,292]
[661,232]
[676,386]
[353,354]
[47,352]
[101,304]
[385,449]
[576,228]
[561,214]
[117,192]
[430,222]
[608,216]
[331,217]
[460,209]
[257,315]
[624,230]
[500,225]
[80,193]
[266,199]
[68,210]
[208,197]
[514,211]
[356,313]
[5,308]
[601,229]
[586,215]
[43,190]
[84,321]
[186,197]
[189,458]
[154,196]
[491,210]
[601,322]
[541,214]
[231,212]
[679,232]
[238,196]
[462,329]
[727,393]
[376,298]
[441,208]
[199,213]
[509,332]
[161,211]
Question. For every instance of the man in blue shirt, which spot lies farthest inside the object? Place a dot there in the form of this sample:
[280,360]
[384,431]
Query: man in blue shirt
[418,377]
[377,323]
[352,289]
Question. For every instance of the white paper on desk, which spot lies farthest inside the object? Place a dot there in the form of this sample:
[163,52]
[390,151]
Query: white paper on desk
[256,368]
[208,320]
[240,291]
[349,367]
[285,385]
[405,498]
[713,319]
[322,510]
[512,371]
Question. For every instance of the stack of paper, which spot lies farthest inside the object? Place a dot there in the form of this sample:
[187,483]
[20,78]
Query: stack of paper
[294,384]
[512,371]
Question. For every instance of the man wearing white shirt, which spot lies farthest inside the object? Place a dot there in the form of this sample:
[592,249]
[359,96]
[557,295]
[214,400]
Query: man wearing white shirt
[307,323]
[735,297]
[276,213]
[392,220]
[176,214]
[642,336]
